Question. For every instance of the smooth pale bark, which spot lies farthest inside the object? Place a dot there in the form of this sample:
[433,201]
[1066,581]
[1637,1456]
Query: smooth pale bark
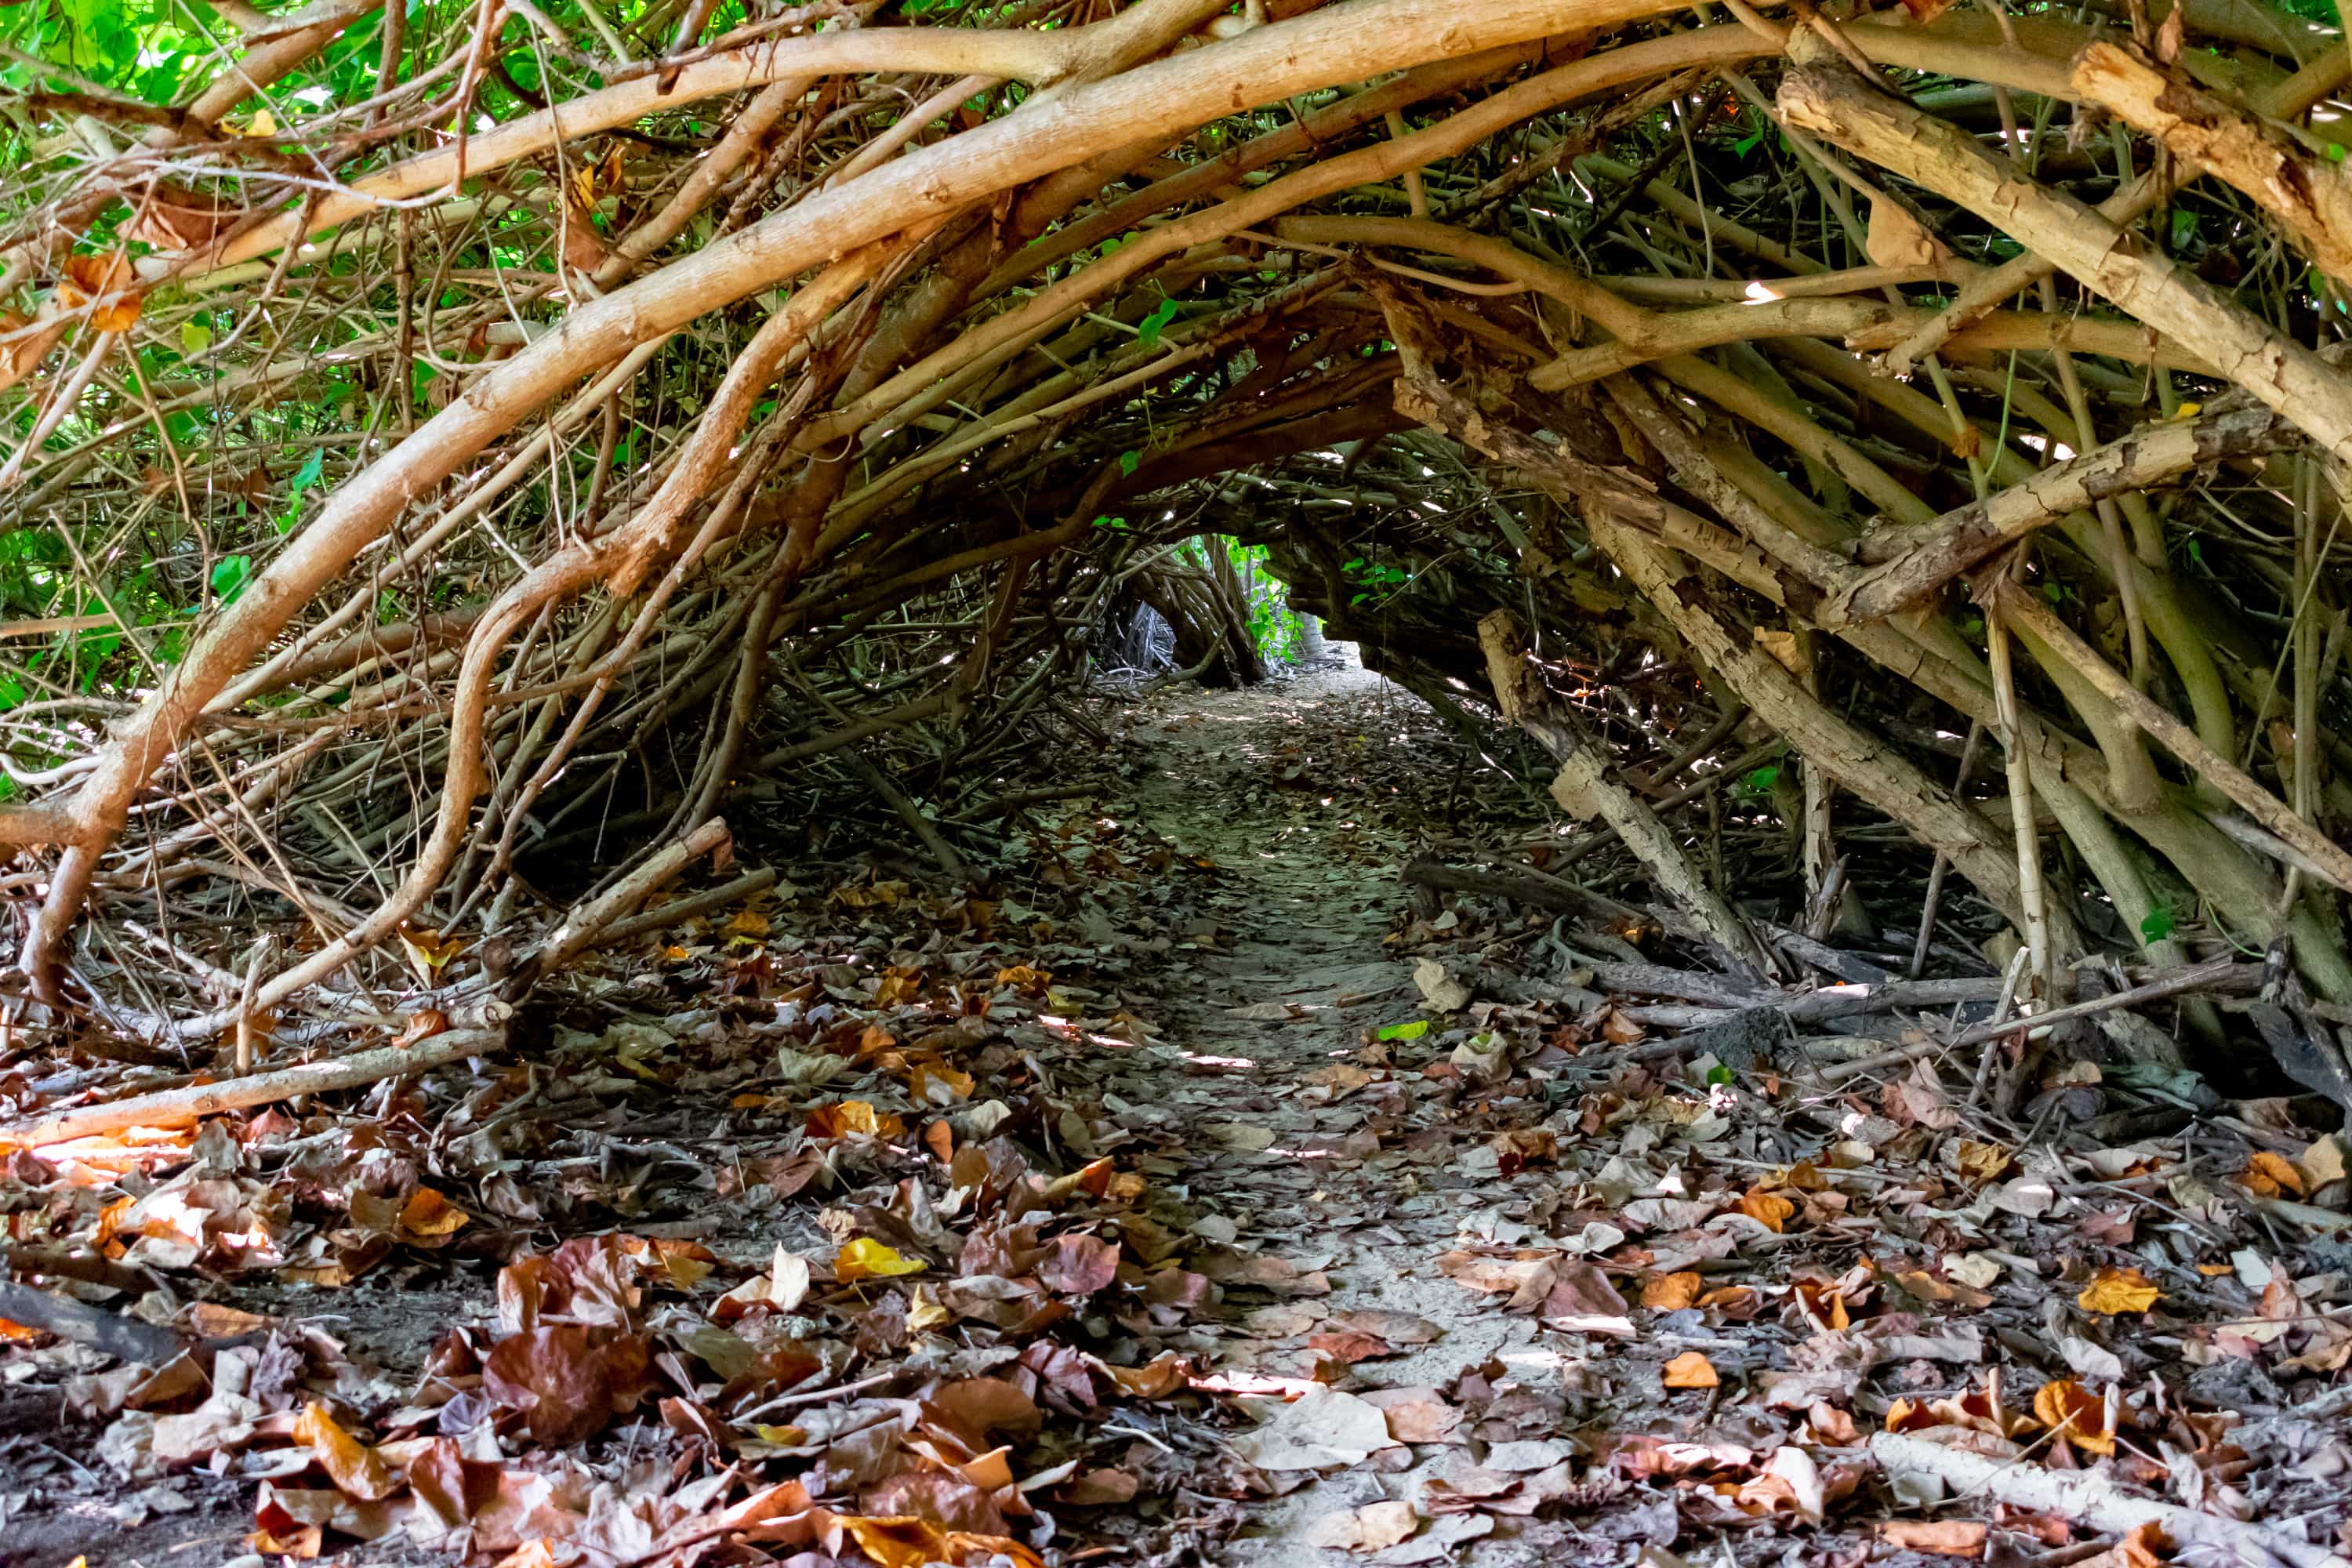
[1918,560]
[2326,856]
[1825,97]
[179,1107]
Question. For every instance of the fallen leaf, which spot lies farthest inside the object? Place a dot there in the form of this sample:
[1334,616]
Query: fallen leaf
[1769,1210]
[2114,1291]
[1371,1528]
[354,1467]
[1943,1536]
[1671,1292]
[2077,1414]
[866,1256]
[1322,1429]
[1690,1370]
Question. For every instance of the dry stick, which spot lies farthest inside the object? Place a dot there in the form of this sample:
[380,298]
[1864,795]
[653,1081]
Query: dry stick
[1934,897]
[2306,193]
[2287,100]
[1585,791]
[917,823]
[686,908]
[2218,974]
[179,1107]
[113,1333]
[1861,763]
[2093,1498]
[2215,975]
[2327,857]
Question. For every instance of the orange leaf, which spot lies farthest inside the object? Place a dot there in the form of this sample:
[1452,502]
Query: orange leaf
[422,1026]
[1690,1370]
[2075,1414]
[427,1213]
[1769,1210]
[853,1115]
[2271,1176]
[108,279]
[357,1469]
[2114,1291]
[1671,1292]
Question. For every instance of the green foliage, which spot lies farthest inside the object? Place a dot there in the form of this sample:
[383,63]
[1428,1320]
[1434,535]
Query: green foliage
[2156,925]
[1761,781]
[1148,330]
[1374,577]
[230,575]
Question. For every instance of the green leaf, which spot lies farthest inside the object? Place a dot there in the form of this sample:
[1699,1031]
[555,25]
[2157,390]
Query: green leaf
[230,575]
[312,467]
[2155,925]
[1148,330]
[2184,228]
[1761,780]
[1129,461]
[1116,524]
[194,337]
[1718,1076]
[1412,1031]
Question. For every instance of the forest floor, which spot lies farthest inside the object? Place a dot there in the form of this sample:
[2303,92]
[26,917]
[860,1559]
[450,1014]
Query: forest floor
[1193,1198]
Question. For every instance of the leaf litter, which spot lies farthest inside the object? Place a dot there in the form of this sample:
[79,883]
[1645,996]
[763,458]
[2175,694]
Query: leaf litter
[1190,1195]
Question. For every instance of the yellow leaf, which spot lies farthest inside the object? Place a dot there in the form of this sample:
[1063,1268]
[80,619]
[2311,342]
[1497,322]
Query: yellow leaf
[263,123]
[866,1256]
[1981,1162]
[748,922]
[1690,1370]
[2114,1291]
[429,952]
[931,1084]
[2188,411]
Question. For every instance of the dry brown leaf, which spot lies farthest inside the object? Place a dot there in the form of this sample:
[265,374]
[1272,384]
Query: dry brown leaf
[1895,238]
[1943,1536]
[1690,1370]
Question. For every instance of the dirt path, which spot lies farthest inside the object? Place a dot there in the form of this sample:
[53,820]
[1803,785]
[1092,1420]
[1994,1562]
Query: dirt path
[1311,1157]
